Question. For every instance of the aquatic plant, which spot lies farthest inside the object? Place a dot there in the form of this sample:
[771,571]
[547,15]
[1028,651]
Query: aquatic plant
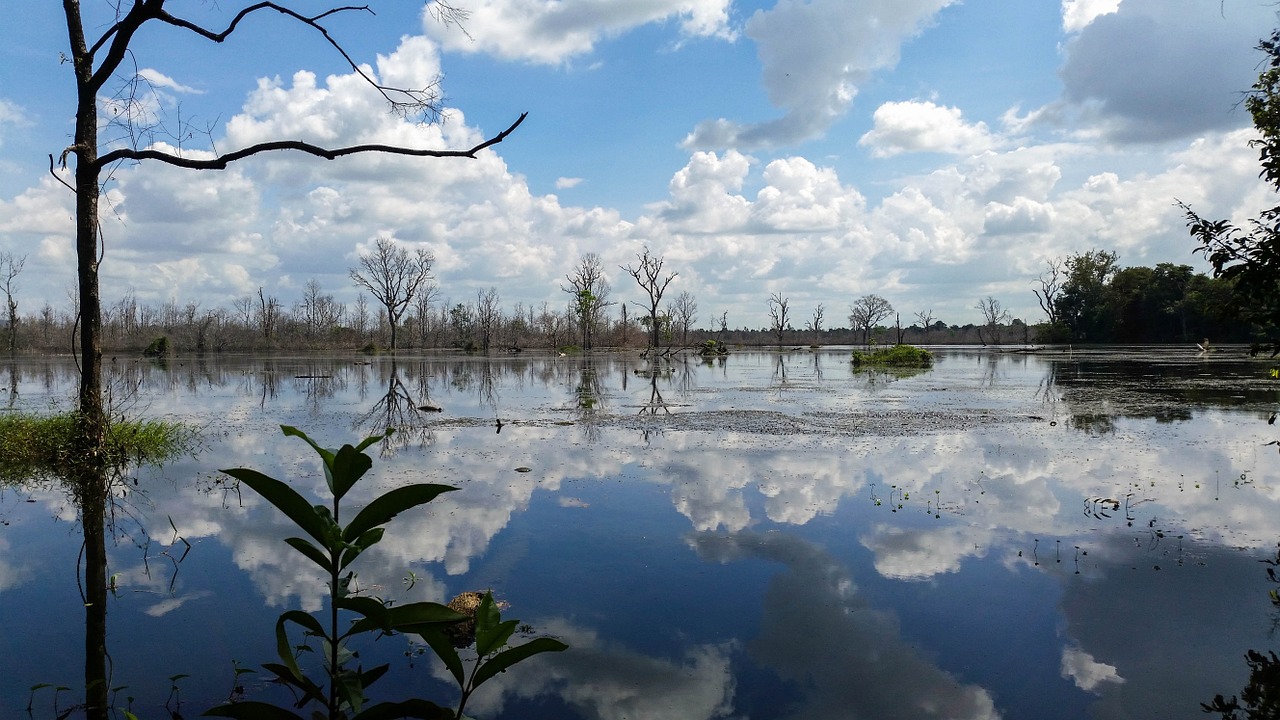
[908,356]
[42,446]
[333,546]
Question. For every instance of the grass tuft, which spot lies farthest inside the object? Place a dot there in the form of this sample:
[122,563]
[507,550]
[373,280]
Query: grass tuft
[43,446]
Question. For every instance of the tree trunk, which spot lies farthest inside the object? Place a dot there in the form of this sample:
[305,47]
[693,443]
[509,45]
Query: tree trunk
[88,472]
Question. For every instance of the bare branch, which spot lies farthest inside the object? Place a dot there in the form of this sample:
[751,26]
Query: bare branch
[404,101]
[222,161]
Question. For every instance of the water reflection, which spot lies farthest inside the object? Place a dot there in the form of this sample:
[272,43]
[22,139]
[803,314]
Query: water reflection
[908,518]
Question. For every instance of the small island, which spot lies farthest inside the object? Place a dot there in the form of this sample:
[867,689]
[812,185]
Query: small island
[898,356]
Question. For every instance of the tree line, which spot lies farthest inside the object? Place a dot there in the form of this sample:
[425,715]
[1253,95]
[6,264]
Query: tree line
[1085,296]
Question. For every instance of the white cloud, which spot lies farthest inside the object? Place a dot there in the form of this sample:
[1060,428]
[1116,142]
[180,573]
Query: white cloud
[553,33]
[814,55]
[158,79]
[12,115]
[921,126]
[1076,14]
[1087,673]
[565,183]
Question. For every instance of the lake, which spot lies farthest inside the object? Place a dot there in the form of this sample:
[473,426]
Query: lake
[767,535]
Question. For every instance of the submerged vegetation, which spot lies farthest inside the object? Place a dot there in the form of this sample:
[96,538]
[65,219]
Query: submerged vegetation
[42,446]
[898,356]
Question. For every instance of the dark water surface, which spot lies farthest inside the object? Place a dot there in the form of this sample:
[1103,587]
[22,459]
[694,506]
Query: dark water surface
[769,536]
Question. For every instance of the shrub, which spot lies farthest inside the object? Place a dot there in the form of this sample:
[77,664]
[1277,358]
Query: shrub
[908,356]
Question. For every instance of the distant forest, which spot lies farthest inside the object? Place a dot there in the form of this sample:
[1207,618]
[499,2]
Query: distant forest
[1085,298]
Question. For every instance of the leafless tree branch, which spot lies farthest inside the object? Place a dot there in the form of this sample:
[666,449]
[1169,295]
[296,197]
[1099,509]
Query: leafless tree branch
[222,161]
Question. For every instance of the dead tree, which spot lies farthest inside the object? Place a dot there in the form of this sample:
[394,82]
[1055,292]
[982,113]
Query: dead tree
[650,279]
[394,278]
[10,267]
[779,315]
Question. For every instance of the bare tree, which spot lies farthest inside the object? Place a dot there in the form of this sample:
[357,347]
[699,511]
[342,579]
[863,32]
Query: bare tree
[10,267]
[589,291]
[815,323]
[651,280]
[926,319]
[1051,281]
[268,314]
[994,316]
[394,278]
[779,315]
[684,313]
[867,312]
[488,317]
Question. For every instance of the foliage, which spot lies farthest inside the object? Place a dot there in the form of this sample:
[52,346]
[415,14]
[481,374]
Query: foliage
[41,446]
[1082,305]
[158,347]
[1093,300]
[712,348]
[1251,259]
[333,546]
[1261,697]
[896,356]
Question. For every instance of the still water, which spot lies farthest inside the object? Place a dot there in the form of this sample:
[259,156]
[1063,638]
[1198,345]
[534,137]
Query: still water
[770,535]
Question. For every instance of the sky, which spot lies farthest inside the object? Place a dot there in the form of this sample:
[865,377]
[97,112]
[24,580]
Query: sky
[933,152]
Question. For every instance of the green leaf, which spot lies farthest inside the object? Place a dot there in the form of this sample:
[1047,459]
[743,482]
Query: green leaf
[370,677]
[284,649]
[495,638]
[390,504]
[286,500]
[511,656]
[418,709]
[351,689]
[310,690]
[442,647]
[364,444]
[491,632]
[349,465]
[250,710]
[316,555]
[324,453]
[402,616]
[371,609]
[368,539]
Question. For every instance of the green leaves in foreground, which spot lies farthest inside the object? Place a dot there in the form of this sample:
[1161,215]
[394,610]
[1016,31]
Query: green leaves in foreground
[341,691]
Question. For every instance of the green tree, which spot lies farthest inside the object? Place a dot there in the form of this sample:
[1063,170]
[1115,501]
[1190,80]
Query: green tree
[1251,258]
[1082,304]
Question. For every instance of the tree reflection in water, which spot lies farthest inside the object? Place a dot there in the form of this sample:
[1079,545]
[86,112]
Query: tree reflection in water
[1260,698]
[397,409]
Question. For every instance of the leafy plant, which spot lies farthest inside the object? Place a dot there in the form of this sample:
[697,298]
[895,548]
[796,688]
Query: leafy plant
[333,546]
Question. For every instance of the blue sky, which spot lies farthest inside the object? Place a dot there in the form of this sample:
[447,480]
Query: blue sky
[930,151]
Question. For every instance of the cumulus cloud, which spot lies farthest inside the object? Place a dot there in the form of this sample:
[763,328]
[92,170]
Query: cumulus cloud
[815,55]
[859,665]
[553,33]
[564,183]
[605,681]
[1087,673]
[1077,14]
[921,126]
[1155,70]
